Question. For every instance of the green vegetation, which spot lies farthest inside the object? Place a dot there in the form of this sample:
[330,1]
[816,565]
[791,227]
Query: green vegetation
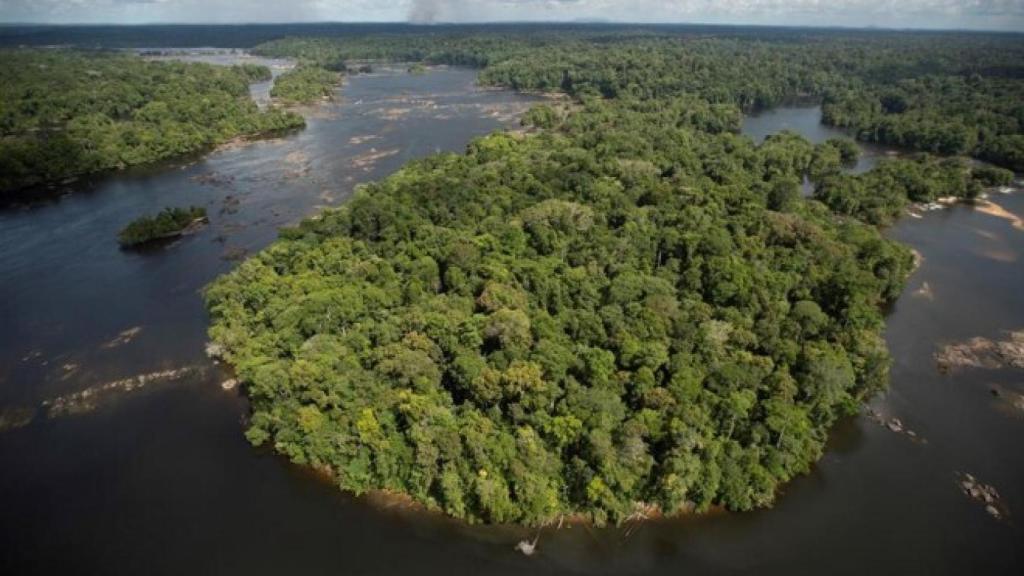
[942,113]
[305,84]
[65,113]
[417,68]
[633,307]
[168,223]
[604,314]
[940,93]
[881,195]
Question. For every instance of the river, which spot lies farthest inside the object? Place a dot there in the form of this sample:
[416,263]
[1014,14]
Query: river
[160,480]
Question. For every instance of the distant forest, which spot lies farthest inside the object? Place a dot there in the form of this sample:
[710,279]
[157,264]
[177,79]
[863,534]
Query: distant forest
[944,93]
[66,113]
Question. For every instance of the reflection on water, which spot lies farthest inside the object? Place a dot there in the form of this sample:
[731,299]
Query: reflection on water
[164,482]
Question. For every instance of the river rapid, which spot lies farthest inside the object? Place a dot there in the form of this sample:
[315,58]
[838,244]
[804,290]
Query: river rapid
[154,476]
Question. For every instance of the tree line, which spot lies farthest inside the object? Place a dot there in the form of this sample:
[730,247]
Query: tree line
[68,113]
[940,93]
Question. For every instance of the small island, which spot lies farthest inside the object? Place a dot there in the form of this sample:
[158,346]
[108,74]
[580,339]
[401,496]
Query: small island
[305,84]
[169,223]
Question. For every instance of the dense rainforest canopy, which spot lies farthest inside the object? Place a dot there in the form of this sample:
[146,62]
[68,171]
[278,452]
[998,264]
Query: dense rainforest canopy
[943,93]
[630,305]
[65,113]
[601,315]
[304,84]
[167,223]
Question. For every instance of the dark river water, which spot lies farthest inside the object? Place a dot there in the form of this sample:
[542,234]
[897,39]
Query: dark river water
[159,479]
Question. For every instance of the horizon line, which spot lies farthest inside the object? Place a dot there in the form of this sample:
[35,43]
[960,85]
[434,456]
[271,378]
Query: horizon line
[581,22]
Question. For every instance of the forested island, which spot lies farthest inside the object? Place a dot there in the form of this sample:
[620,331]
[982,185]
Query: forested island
[67,113]
[169,223]
[304,84]
[577,322]
[630,309]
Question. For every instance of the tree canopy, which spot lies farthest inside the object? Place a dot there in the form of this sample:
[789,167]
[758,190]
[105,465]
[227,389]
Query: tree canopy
[942,93]
[168,223]
[629,308]
[304,84]
[67,113]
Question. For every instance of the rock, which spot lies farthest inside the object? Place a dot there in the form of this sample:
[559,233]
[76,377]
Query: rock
[214,350]
[91,398]
[124,337]
[983,353]
[15,417]
[527,547]
[984,494]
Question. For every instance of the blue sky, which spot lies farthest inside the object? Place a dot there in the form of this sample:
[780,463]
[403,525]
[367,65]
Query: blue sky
[975,14]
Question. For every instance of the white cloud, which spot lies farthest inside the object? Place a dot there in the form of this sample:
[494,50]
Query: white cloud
[996,14]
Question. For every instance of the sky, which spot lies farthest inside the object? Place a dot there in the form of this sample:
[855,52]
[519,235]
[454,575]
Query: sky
[969,14]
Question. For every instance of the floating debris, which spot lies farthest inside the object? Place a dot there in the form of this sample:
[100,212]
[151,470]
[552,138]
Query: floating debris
[229,384]
[983,353]
[124,337]
[91,398]
[984,494]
